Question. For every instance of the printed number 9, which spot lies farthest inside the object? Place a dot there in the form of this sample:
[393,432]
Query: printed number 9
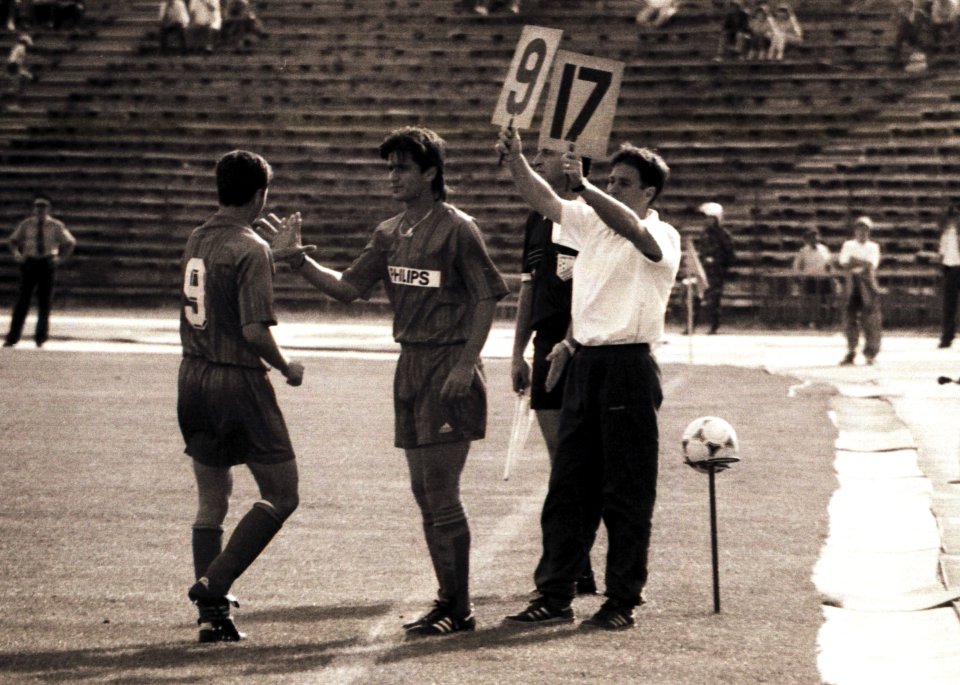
[527,74]
[193,284]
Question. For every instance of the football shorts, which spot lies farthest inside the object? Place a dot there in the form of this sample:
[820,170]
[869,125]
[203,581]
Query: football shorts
[229,415]
[421,417]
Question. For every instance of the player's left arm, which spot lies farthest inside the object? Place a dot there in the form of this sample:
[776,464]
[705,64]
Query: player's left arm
[67,243]
[260,337]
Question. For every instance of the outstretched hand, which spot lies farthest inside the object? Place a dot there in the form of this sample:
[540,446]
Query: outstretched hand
[284,236]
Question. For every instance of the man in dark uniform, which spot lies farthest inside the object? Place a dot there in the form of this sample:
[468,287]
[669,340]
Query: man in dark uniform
[226,405]
[543,307]
[443,288]
[39,244]
[715,247]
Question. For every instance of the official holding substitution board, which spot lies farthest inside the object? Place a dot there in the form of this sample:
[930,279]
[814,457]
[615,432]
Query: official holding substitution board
[607,457]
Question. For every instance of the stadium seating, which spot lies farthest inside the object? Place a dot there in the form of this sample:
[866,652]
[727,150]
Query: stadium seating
[124,137]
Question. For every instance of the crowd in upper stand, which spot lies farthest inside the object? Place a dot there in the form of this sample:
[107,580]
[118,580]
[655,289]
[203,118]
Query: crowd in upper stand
[204,25]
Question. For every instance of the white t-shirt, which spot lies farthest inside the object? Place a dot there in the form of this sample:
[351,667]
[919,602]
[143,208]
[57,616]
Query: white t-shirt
[868,252]
[619,296]
[949,247]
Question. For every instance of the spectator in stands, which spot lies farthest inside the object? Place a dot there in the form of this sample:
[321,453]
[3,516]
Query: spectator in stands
[715,248]
[812,264]
[17,70]
[207,21]
[909,23]
[656,13]
[859,258]
[784,30]
[735,35]
[760,32]
[10,14]
[943,23]
[949,253]
[483,7]
[240,22]
[39,244]
[174,20]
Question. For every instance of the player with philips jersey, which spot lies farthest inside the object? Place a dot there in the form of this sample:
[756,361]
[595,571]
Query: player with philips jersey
[443,289]
[607,457]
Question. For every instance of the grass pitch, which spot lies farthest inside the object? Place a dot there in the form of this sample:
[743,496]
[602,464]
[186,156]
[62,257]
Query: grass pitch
[97,502]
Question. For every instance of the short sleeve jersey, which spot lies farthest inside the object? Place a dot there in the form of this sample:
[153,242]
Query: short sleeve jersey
[551,269]
[431,275]
[619,295]
[227,283]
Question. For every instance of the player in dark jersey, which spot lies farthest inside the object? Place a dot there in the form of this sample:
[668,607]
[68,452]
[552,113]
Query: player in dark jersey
[543,312]
[443,288]
[226,405]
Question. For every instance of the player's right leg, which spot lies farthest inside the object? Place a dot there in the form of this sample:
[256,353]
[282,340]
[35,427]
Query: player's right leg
[28,282]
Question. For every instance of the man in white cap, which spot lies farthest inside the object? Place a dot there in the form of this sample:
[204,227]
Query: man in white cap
[859,258]
[715,248]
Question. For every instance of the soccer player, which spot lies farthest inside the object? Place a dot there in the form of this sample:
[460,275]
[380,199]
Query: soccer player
[226,405]
[443,288]
[546,285]
[607,457]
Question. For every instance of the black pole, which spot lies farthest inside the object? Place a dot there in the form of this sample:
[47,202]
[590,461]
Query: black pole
[713,542]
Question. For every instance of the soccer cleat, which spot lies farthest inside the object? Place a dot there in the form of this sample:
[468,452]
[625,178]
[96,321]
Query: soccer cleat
[611,617]
[436,612]
[216,624]
[540,612]
[442,622]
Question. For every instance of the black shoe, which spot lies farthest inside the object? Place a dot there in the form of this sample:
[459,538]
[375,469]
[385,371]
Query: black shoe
[848,360]
[611,617]
[216,624]
[436,612]
[541,612]
[7,343]
[443,623]
[586,584]
[944,344]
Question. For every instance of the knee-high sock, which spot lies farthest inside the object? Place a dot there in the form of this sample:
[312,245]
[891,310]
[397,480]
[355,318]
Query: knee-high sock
[207,545]
[252,534]
[451,538]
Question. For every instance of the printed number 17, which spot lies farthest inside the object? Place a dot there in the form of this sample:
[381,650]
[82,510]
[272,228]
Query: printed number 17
[601,80]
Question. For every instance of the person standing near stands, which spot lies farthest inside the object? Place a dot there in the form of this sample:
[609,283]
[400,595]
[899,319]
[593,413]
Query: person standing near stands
[812,264]
[226,405]
[859,258]
[715,248]
[443,288]
[949,253]
[543,309]
[39,244]
[174,20]
[607,457]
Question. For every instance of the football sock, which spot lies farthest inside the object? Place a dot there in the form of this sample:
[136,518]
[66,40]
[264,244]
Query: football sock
[252,534]
[207,545]
[451,535]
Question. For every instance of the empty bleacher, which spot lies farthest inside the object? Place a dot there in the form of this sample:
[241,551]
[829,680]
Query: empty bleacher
[124,138]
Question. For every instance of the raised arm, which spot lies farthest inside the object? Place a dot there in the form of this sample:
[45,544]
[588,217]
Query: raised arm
[535,191]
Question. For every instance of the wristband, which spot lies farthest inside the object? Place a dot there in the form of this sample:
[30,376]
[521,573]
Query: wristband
[578,188]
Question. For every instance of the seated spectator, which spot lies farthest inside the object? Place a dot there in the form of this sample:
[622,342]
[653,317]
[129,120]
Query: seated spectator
[785,30]
[812,263]
[656,13]
[943,22]
[483,7]
[240,23]
[735,34]
[10,14]
[909,23]
[17,70]
[207,21]
[174,20]
[760,32]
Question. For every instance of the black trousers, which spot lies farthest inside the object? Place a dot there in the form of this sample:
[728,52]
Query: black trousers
[35,275]
[951,289]
[606,469]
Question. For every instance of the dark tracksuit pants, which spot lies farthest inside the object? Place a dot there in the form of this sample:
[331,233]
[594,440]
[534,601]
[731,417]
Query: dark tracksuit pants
[606,469]
[951,289]
[35,275]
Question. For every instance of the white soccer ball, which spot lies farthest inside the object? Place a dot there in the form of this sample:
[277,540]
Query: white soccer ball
[710,442]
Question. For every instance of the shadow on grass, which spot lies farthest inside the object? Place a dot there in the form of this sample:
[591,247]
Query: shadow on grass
[311,614]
